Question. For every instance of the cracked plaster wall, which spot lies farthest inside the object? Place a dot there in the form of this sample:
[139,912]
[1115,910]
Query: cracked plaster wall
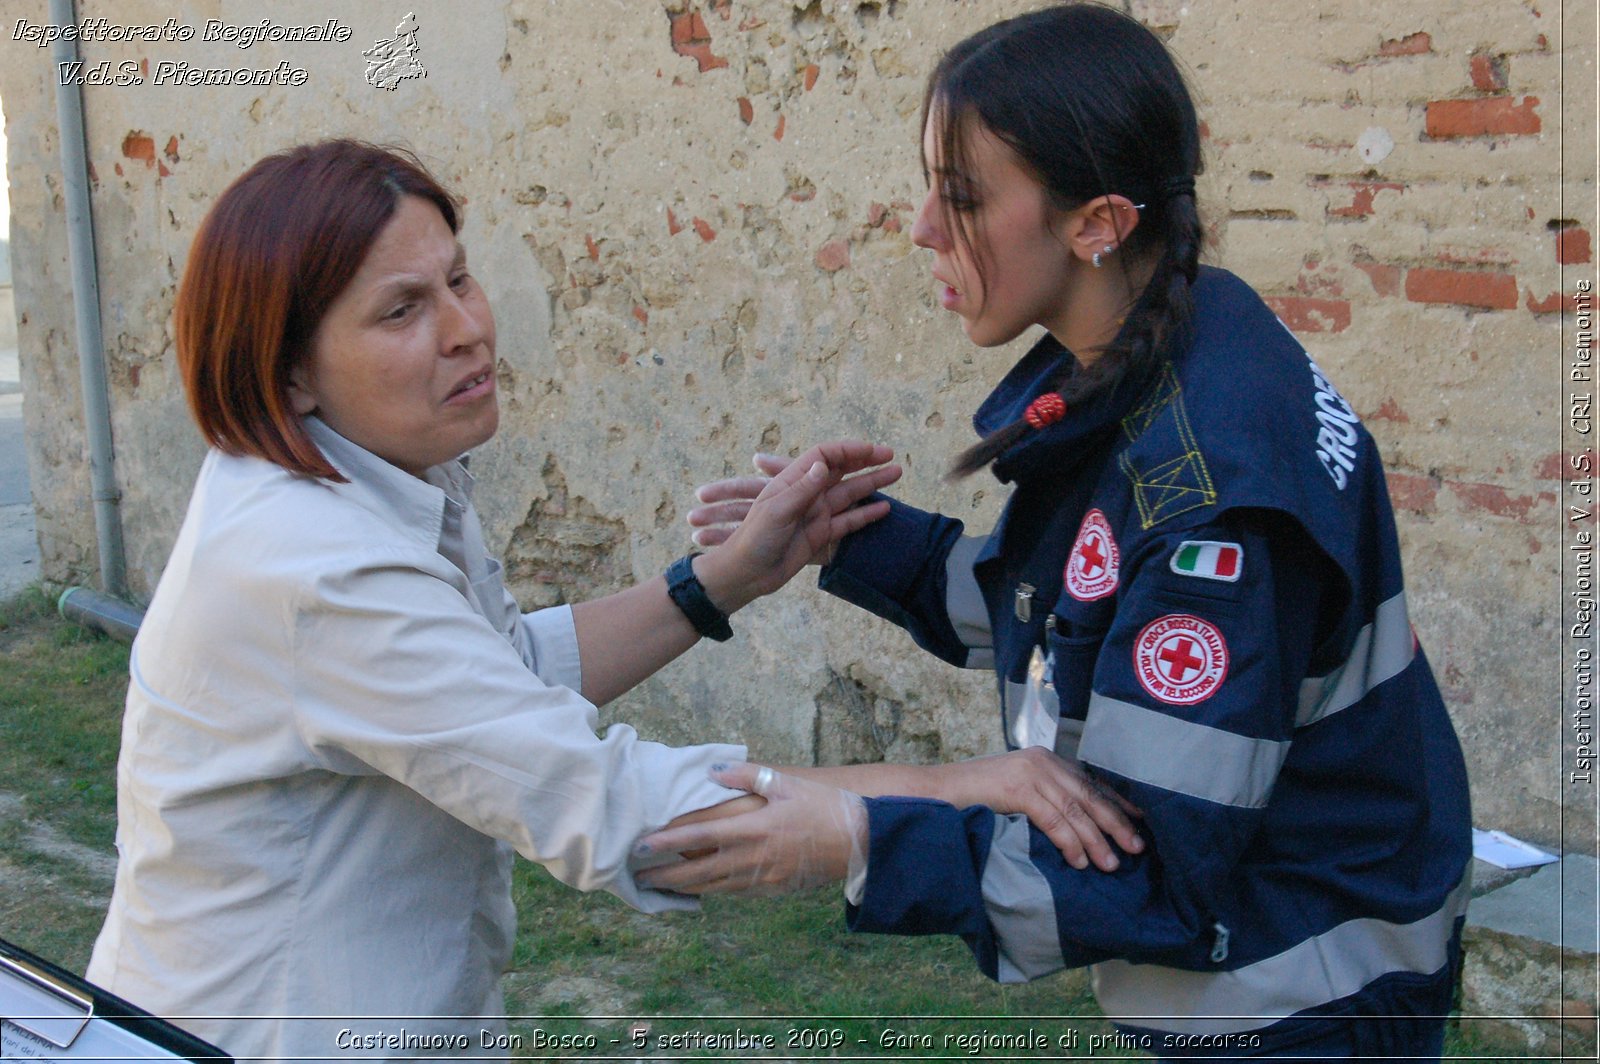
[693,220]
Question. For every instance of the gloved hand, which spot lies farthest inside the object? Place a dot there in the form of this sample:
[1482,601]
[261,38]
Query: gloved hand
[1080,815]
[808,834]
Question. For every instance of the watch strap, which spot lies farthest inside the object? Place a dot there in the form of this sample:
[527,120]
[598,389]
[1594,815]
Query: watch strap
[689,595]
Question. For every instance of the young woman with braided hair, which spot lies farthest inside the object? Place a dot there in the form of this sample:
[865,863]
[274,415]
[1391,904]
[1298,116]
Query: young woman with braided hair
[1194,591]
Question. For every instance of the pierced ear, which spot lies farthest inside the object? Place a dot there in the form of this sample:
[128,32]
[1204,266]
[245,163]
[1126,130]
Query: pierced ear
[1102,224]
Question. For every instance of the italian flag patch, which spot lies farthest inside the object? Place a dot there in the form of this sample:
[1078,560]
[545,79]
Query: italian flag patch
[1211,561]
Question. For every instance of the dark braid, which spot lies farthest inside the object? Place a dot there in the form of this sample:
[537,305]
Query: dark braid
[1094,104]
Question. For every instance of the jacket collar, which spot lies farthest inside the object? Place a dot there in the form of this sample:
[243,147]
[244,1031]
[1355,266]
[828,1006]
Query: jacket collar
[1055,448]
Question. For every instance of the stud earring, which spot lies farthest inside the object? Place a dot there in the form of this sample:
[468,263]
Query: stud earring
[1106,251]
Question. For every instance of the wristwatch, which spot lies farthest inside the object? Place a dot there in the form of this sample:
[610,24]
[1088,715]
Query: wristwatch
[689,595]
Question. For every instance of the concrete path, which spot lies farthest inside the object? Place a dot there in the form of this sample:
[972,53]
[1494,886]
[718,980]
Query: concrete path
[19,542]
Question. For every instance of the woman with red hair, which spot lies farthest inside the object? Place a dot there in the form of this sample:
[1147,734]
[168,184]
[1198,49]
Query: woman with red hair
[339,725]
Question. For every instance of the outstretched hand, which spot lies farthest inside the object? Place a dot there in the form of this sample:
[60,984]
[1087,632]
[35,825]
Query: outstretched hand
[724,504]
[1078,814]
[794,516]
[805,836]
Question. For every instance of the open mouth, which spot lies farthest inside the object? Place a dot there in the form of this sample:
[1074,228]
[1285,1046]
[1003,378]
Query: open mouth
[472,385]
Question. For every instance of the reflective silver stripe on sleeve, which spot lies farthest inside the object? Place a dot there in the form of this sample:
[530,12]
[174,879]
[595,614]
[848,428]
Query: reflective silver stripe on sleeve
[1020,905]
[1179,755]
[1382,651]
[963,602]
[1327,967]
[1068,735]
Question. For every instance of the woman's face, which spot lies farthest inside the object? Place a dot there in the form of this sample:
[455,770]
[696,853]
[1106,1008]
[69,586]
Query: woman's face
[403,362]
[1015,235]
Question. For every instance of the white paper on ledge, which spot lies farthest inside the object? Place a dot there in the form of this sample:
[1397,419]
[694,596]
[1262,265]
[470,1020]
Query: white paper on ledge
[1503,851]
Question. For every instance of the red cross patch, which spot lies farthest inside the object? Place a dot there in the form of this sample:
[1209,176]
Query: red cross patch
[1091,571]
[1180,659]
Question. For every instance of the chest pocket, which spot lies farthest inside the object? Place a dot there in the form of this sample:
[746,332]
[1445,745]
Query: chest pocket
[1073,638]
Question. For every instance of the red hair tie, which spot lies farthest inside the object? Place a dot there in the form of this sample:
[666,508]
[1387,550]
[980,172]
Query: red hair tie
[1046,410]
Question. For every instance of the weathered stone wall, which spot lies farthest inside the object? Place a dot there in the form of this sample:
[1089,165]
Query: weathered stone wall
[693,218]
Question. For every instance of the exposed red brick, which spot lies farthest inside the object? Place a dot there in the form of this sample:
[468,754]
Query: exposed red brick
[1573,246]
[833,256]
[1416,44]
[1310,314]
[1554,303]
[777,134]
[139,146]
[1492,498]
[161,168]
[1488,116]
[812,70]
[1385,278]
[1365,192]
[594,249]
[747,111]
[1466,288]
[1566,466]
[691,38]
[707,233]
[881,217]
[688,28]
[172,148]
[1454,256]
[801,195]
[674,227]
[1388,410]
[1488,73]
[1417,494]
[1315,281]
[723,8]
[118,168]
[642,314]
[133,374]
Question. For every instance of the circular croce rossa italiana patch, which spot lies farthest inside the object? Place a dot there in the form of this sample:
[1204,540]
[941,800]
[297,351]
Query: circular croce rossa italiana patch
[1092,566]
[1180,659]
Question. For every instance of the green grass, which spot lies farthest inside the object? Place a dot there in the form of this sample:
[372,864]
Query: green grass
[783,969]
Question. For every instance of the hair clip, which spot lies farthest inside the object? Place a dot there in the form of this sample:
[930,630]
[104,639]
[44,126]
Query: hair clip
[1046,410]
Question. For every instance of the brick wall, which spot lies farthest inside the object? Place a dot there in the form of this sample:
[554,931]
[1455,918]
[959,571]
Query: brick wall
[693,219]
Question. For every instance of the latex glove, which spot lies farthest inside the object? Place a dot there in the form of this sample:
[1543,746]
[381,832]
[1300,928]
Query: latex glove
[1059,796]
[725,504]
[794,516]
[807,835]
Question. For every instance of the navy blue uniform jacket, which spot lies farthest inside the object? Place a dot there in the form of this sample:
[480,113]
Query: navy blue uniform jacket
[1195,589]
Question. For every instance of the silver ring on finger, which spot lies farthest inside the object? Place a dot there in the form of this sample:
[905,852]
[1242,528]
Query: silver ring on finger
[763,781]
